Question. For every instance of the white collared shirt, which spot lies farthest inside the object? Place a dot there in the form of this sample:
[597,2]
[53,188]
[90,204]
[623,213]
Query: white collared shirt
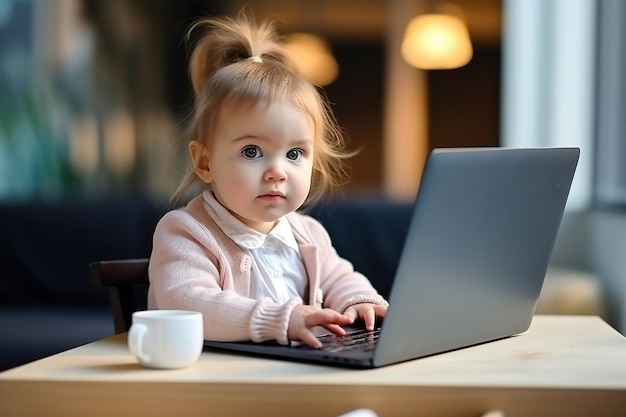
[277,270]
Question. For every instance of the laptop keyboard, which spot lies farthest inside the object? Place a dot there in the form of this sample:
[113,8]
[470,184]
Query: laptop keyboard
[358,340]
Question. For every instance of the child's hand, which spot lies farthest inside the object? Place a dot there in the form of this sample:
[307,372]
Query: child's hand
[304,317]
[367,312]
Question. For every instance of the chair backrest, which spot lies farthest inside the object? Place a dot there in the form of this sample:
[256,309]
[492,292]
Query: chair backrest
[127,281]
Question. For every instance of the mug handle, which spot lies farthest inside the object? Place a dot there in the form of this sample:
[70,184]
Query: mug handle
[136,336]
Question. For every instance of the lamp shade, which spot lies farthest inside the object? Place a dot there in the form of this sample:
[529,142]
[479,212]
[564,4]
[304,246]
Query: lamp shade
[313,58]
[437,41]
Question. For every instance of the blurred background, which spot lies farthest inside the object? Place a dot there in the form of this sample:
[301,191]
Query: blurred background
[95,93]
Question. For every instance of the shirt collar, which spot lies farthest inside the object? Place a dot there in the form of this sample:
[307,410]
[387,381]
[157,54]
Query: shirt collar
[243,235]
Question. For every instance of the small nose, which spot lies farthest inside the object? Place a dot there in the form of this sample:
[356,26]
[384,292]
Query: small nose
[275,172]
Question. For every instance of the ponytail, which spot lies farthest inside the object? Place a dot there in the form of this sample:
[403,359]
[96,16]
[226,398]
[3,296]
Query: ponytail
[226,41]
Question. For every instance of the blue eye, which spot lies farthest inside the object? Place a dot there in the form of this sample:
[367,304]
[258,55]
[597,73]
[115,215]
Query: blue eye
[295,154]
[251,152]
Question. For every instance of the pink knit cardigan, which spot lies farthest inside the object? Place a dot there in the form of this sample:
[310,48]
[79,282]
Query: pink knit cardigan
[195,266]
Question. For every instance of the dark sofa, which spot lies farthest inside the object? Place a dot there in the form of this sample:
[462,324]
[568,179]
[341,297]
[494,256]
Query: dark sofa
[47,302]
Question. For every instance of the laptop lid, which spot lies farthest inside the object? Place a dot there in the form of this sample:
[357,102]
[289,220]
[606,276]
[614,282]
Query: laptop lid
[475,257]
[477,250]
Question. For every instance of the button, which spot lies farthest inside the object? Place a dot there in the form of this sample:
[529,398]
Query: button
[245,264]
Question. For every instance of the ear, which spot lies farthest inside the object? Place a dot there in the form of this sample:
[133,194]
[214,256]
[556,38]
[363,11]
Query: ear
[200,159]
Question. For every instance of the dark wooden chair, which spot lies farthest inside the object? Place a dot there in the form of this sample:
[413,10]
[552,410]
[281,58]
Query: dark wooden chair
[127,281]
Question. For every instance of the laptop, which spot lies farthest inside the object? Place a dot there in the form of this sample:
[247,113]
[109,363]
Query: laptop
[474,260]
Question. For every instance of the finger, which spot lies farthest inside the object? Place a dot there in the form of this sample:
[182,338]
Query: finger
[326,317]
[368,316]
[351,313]
[336,329]
[310,339]
[380,310]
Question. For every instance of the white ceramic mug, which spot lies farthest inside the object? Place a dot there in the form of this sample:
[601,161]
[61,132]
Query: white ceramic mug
[166,338]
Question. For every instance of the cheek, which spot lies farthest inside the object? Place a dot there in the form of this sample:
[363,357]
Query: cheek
[238,176]
[230,173]
[309,169]
[304,174]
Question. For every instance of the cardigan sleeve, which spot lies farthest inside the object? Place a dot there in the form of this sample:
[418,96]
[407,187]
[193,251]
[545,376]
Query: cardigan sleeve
[190,270]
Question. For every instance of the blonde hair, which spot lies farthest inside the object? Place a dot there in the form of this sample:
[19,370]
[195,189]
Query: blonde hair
[235,61]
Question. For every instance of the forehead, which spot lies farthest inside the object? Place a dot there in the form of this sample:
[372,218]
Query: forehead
[247,110]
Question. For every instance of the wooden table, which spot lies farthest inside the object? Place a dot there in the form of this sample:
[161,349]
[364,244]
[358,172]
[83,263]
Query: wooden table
[564,365]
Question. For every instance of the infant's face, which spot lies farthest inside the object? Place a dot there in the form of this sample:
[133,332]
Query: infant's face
[261,162]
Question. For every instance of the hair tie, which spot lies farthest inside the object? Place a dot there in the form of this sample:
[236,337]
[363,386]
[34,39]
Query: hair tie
[255,58]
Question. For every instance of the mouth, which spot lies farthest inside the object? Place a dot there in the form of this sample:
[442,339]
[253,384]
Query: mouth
[272,195]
